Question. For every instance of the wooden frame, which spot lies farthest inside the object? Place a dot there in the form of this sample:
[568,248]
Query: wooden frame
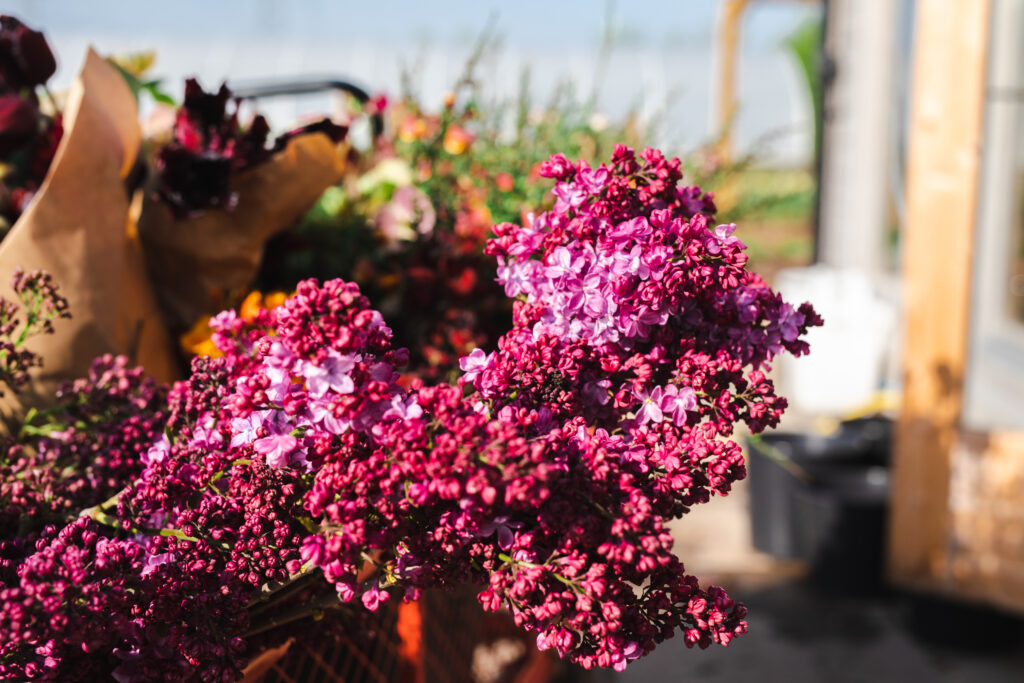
[957,523]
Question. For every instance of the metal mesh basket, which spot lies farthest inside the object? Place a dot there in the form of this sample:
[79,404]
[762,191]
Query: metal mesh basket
[444,638]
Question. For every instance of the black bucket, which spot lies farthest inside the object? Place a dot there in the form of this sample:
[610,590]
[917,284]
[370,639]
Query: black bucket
[840,528]
[824,500]
[773,486]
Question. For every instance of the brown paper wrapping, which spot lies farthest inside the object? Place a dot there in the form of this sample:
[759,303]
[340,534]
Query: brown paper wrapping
[76,228]
[196,263]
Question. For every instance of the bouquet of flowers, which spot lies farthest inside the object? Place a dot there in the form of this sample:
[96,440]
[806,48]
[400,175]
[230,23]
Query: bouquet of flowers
[294,476]
[219,191]
[28,135]
[196,226]
[74,221]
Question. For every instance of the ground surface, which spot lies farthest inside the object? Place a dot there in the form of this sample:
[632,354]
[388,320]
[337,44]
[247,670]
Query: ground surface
[797,635]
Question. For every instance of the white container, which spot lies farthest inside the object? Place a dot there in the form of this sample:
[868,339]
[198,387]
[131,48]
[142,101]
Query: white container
[849,355]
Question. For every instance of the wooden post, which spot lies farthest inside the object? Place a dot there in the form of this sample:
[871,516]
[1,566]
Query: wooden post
[728,45]
[942,188]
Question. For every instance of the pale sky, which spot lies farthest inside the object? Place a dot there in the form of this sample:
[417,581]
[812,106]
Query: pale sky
[662,64]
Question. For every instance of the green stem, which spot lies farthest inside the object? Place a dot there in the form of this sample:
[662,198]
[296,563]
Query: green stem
[99,512]
[53,100]
[178,533]
[31,318]
[779,458]
[523,563]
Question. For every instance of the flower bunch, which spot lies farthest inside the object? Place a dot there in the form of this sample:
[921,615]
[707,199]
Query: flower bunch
[296,473]
[642,338]
[74,455]
[28,137]
[83,449]
[210,146]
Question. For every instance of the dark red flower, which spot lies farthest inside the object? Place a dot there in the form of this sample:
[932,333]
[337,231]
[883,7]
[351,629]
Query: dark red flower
[45,150]
[191,181]
[25,58]
[210,146]
[19,120]
[206,111]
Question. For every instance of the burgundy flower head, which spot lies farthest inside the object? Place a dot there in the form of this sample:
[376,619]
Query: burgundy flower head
[202,115]
[25,57]
[19,119]
[210,146]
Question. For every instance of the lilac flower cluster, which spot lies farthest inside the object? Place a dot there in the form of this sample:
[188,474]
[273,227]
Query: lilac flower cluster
[296,474]
[70,604]
[74,455]
[40,304]
[82,450]
[641,339]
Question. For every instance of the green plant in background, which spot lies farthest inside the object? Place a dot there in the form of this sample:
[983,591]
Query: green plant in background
[133,68]
[776,205]
[804,45]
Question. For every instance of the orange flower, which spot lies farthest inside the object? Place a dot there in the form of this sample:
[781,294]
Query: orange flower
[256,301]
[199,340]
[274,299]
[413,128]
[457,139]
[389,281]
[473,222]
[251,306]
[423,171]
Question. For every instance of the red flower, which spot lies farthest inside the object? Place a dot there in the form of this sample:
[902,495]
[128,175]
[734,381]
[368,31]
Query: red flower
[25,58]
[19,120]
[210,146]
[464,284]
[505,182]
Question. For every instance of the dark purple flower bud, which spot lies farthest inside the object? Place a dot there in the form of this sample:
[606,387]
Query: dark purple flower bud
[205,110]
[25,58]
[190,182]
[18,122]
